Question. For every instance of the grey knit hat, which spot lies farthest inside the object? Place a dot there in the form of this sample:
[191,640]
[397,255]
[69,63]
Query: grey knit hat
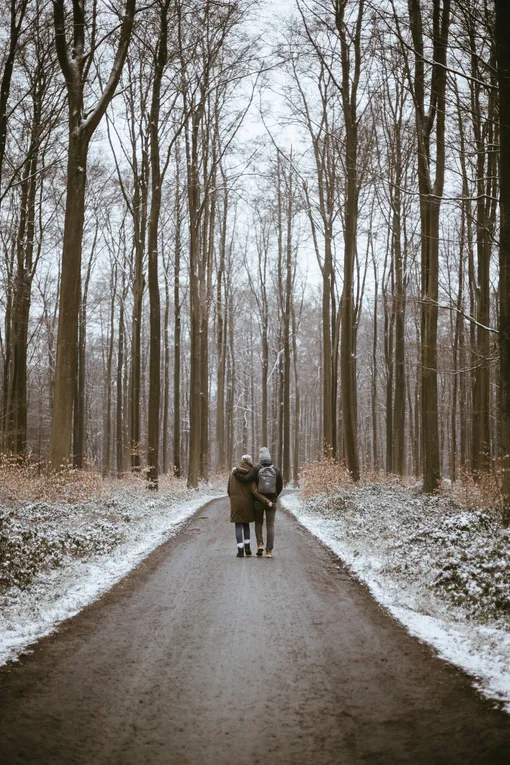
[264,455]
[247,458]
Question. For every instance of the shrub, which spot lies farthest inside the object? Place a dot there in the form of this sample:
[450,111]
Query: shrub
[323,475]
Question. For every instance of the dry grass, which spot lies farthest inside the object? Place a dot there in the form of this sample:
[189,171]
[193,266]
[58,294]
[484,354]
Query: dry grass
[324,475]
[469,493]
[33,482]
[373,476]
[29,481]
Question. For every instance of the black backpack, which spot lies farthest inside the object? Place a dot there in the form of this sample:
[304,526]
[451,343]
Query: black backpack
[266,479]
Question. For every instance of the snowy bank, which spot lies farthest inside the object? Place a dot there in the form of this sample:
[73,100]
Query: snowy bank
[443,572]
[57,558]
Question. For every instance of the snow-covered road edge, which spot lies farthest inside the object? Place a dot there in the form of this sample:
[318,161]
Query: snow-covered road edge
[59,594]
[481,651]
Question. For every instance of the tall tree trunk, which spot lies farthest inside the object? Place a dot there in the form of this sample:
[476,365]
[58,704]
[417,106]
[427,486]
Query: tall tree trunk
[412,435]
[79,394]
[205,301]
[231,377]
[17,11]
[251,382]
[120,391]
[399,406]
[69,302]
[281,310]
[221,344]
[503,61]
[287,311]
[375,457]
[297,408]
[166,377]
[429,408]
[486,172]
[389,322]
[75,67]
[430,202]
[347,357]
[350,48]
[10,257]
[455,351]
[177,466]
[139,231]
[154,297]
[194,208]
[109,363]
[16,411]
[265,375]
[327,382]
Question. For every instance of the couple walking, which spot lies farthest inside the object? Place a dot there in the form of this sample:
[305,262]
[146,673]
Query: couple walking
[253,491]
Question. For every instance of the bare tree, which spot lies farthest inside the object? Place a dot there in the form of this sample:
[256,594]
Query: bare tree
[503,62]
[430,125]
[17,12]
[76,64]
[39,67]
[324,131]
[161,60]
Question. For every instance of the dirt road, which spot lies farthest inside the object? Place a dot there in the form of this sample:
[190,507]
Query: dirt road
[198,658]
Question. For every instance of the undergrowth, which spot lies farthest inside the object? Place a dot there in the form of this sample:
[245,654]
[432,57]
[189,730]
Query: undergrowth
[324,475]
[48,519]
[34,482]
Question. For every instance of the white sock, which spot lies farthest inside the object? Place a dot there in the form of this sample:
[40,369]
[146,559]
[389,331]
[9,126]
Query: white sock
[240,545]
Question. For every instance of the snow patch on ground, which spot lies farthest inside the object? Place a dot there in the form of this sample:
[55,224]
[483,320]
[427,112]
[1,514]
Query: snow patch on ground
[59,558]
[444,573]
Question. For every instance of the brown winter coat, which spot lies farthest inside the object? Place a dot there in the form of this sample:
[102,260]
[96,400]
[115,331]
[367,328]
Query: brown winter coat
[242,496]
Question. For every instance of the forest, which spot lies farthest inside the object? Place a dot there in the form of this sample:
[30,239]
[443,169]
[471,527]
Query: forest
[231,224]
[255,269]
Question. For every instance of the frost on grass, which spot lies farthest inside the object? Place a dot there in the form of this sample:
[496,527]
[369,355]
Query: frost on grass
[461,555]
[43,535]
[61,547]
[442,569]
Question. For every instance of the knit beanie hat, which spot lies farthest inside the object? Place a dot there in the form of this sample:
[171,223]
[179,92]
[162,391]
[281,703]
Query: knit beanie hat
[264,455]
[247,458]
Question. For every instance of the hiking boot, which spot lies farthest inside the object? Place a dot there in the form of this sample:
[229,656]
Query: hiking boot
[260,550]
[269,553]
[240,552]
[247,549]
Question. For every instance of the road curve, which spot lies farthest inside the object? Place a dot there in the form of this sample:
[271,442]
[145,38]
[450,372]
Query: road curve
[199,658]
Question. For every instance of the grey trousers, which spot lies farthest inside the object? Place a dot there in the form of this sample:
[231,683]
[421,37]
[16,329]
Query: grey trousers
[243,530]
[259,521]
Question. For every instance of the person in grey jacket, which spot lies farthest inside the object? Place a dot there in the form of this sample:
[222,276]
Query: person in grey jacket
[270,484]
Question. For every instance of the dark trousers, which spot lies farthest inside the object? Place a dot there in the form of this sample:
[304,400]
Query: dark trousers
[243,530]
[269,512]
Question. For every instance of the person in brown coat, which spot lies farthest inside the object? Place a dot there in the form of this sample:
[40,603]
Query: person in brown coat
[242,497]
